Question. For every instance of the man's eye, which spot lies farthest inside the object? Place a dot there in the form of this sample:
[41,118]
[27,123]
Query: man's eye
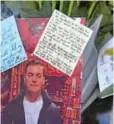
[39,76]
[30,75]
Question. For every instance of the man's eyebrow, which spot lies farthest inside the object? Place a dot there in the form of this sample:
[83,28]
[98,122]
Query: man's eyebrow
[30,73]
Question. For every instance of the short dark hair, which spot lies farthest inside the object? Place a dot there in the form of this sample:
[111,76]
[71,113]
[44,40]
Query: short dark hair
[34,62]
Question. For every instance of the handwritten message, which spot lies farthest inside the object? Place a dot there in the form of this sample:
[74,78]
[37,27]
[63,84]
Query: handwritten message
[12,50]
[105,65]
[62,42]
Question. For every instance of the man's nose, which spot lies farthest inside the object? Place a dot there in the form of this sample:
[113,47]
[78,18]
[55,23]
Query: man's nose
[34,79]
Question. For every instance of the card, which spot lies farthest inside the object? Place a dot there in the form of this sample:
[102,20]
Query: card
[105,65]
[64,91]
[62,42]
[12,50]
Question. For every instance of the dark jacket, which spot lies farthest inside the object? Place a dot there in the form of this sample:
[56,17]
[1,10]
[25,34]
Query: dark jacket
[14,112]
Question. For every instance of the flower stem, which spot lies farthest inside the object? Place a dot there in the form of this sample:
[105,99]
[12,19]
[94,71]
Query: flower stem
[70,7]
[40,4]
[53,4]
[61,5]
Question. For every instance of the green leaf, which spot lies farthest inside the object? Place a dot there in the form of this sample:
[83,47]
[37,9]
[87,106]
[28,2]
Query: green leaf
[91,9]
[12,4]
[111,2]
[44,12]
[65,7]
[111,8]
[102,8]
[102,39]
[91,19]
[79,12]
[22,4]
[29,13]
[107,28]
[107,19]
[46,9]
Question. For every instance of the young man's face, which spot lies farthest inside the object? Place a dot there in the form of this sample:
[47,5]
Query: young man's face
[34,78]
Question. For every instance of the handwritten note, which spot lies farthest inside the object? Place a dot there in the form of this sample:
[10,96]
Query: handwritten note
[12,50]
[105,65]
[62,42]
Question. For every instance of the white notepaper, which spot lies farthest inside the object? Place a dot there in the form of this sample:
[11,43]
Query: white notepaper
[12,50]
[62,42]
[105,66]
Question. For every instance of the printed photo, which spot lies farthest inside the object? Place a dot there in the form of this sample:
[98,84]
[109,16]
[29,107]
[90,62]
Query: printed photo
[36,92]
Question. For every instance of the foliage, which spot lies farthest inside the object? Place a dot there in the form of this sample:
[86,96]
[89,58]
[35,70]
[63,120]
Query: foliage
[88,9]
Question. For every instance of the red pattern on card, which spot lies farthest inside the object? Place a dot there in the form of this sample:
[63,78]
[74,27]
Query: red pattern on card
[59,85]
